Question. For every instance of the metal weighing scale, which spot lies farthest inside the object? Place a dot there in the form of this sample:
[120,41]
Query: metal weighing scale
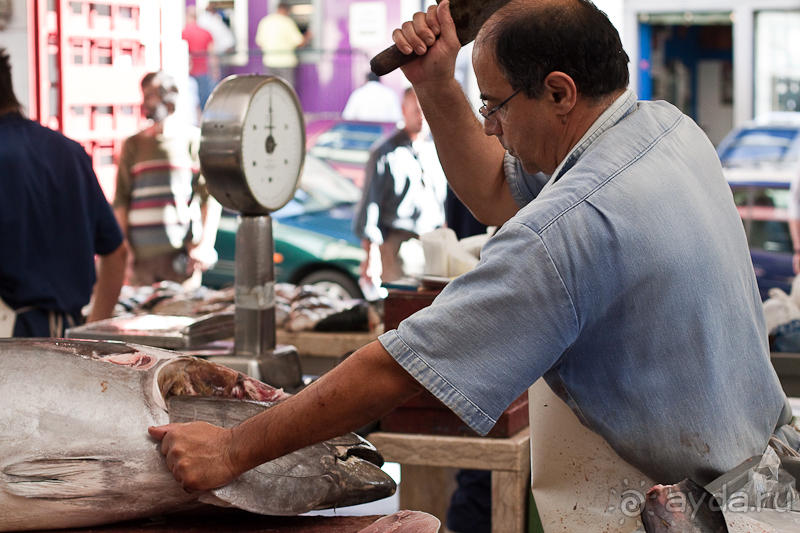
[252,151]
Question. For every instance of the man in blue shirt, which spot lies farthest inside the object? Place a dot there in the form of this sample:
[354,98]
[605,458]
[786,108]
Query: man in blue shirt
[620,272]
[54,219]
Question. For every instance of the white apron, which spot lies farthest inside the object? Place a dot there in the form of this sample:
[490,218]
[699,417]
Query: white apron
[579,483]
[7,320]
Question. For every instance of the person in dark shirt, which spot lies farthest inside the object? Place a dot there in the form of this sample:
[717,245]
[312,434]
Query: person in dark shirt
[54,220]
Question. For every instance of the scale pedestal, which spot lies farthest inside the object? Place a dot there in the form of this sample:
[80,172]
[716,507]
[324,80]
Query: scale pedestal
[254,333]
[255,346]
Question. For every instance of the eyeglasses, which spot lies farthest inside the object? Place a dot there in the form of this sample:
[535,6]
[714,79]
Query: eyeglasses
[486,113]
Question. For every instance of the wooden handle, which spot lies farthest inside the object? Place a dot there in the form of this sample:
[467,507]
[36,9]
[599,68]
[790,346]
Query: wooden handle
[389,60]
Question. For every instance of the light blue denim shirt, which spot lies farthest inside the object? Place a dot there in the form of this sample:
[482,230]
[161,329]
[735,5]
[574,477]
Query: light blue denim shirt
[626,282]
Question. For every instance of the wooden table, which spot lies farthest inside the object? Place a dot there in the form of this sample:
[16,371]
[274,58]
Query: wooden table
[218,520]
[319,352]
[422,458]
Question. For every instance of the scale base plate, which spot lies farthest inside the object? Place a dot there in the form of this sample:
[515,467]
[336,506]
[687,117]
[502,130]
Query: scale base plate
[279,368]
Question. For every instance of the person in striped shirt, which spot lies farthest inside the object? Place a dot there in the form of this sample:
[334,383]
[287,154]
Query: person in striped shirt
[168,217]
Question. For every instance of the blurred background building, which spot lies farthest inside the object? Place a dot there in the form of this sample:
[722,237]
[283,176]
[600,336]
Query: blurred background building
[77,64]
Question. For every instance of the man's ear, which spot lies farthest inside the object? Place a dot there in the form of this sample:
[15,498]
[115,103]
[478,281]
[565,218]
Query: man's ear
[562,92]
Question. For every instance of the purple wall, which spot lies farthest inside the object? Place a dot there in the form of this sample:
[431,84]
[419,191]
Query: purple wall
[335,70]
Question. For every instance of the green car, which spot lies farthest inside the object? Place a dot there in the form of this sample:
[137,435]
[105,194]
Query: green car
[314,241]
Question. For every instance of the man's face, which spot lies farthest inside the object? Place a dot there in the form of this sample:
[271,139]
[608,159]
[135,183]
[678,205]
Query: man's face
[525,127]
[153,106]
[412,114]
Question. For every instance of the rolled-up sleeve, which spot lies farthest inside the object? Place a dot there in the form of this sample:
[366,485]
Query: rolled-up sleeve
[492,331]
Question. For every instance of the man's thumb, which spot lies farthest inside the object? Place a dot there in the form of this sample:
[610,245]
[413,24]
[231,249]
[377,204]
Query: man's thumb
[444,15]
[158,432]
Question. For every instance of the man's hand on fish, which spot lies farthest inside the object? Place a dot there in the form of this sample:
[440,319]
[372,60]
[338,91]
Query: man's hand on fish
[364,387]
[197,454]
[420,36]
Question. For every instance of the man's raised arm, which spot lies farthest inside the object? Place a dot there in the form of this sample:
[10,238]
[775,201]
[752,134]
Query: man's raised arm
[472,161]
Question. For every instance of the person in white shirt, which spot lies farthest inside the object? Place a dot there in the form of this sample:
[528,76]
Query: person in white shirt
[278,37]
[373,102]
[212,22]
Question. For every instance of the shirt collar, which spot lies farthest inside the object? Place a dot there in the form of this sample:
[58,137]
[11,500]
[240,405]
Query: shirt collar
[615,112]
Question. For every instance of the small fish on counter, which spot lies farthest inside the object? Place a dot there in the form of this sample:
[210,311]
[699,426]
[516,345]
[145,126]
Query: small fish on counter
[304,308]
[297,308]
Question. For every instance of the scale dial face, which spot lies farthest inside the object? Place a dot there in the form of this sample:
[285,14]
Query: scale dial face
[273,144]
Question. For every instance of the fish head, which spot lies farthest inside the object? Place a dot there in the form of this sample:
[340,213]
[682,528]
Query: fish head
[337,473]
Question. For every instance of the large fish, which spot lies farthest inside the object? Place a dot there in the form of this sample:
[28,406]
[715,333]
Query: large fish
[74,448]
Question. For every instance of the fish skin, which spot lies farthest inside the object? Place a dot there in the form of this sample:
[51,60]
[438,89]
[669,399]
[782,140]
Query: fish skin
[685,507]
[74,448]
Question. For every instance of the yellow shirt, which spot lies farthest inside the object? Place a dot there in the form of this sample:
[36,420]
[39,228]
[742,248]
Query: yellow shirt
[278,36]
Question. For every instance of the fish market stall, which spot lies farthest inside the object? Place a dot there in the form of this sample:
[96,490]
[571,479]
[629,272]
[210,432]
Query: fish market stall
[201,322]
[112,391]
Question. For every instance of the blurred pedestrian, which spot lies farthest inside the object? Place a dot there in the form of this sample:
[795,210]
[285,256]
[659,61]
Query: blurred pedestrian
[203,65]
[373,102]
[404,193]
[211,21]
[278,37]
[794,219]
[54,220]
[161,202]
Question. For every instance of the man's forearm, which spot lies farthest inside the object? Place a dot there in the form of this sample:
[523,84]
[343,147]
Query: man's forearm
[121,214]
[472,162]
[794,231]
[364,387]
[110,277]
[211,211]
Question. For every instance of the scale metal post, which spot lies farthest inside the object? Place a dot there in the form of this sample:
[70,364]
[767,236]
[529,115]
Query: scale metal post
[252,151]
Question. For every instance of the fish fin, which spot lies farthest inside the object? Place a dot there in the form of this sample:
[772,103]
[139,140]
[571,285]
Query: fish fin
[222,412]
[83,477]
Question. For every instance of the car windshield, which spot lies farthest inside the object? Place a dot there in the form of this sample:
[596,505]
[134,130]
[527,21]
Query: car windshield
[348,141]
[321,188]
[761,145]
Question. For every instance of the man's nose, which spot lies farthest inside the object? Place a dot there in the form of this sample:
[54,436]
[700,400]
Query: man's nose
[491,129]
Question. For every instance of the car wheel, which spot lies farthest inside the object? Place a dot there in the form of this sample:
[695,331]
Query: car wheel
[336,284]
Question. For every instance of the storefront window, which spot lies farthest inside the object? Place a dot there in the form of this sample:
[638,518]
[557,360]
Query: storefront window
[777,61]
